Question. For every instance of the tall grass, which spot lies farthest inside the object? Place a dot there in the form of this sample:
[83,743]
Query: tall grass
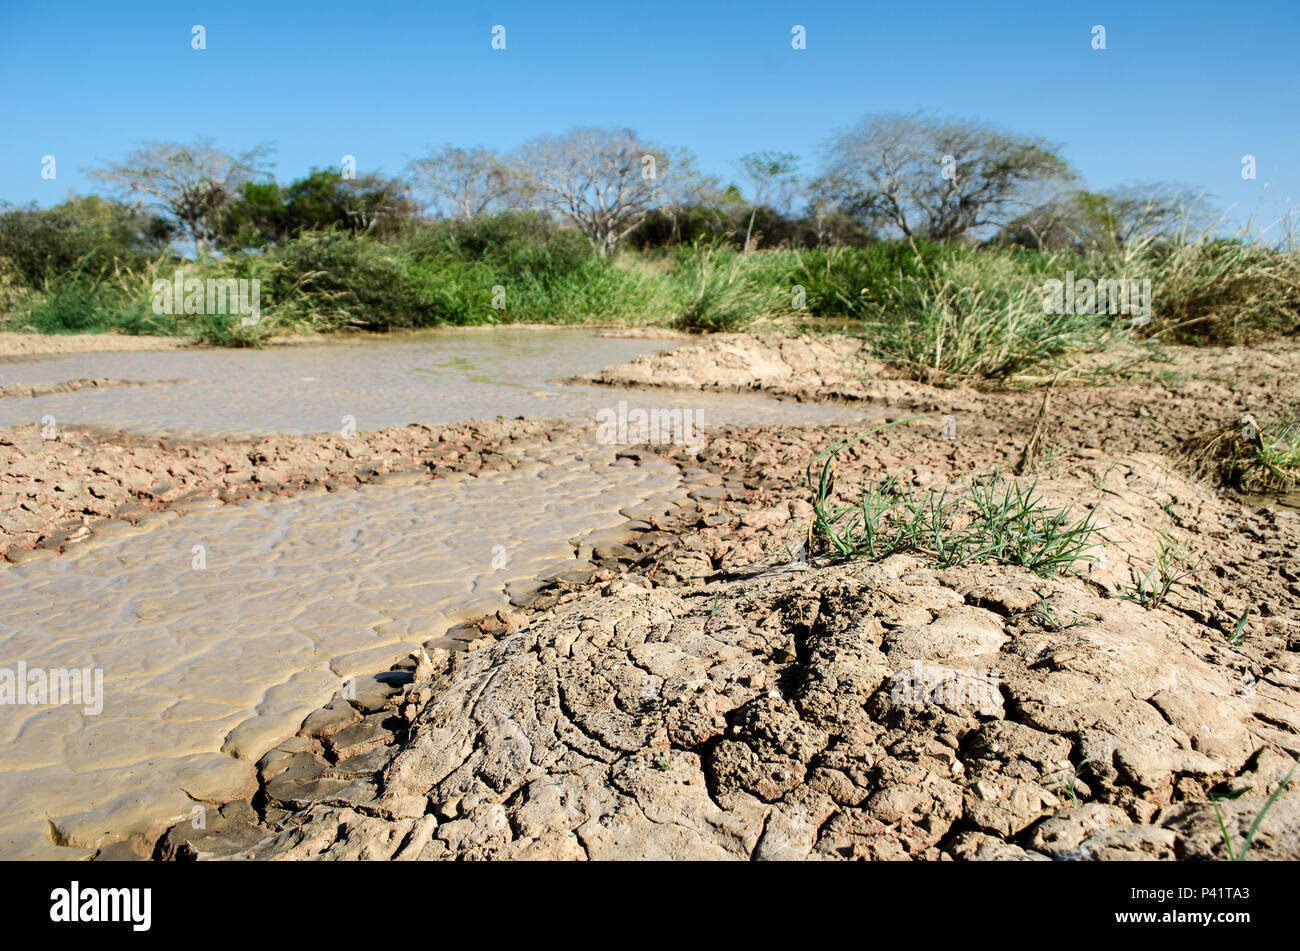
[717,290]
[935,311]
[1215,291]
[981,314]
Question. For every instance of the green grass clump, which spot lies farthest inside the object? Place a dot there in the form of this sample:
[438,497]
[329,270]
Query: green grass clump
[981,315]
[1001,522]
[1248,457]
[1273,463]
[328,280]
[1219,292]
[717,289]
[1173,564]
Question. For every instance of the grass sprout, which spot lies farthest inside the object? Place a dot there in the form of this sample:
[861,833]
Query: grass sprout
[1000,520]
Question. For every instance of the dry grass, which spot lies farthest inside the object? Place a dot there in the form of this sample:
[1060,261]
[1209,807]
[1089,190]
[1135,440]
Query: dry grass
[1245,456]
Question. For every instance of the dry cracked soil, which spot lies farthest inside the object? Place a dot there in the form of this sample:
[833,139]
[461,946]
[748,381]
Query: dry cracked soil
[698,689]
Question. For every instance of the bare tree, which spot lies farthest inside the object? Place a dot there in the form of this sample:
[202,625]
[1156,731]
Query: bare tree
[191,183]
[605,181]
[1110,219]
[460,183]
[773,178]
[936,179]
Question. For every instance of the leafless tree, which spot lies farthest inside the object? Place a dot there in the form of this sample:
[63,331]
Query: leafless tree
[191,183]
[937,179]
[605,181]
[461,183]
[1110,219]
[773,178]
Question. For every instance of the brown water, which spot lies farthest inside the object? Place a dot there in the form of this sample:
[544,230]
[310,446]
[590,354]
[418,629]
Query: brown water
[205,668]
[1287,500]
[378,382]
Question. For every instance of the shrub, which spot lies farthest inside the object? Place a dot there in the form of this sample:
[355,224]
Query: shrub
[331,279]
[718,290]
[1220,291]
[85,239]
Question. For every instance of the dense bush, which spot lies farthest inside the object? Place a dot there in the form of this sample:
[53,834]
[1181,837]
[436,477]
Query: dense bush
[268,213]
[84,239]
[951,309]
[1221,292]
[331,279]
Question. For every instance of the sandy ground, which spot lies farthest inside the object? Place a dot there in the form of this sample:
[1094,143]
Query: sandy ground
[13,344]
[23,344]
[695,691]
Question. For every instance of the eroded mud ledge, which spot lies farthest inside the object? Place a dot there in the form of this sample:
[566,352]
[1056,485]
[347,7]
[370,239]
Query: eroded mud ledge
[689,693]
[699,696]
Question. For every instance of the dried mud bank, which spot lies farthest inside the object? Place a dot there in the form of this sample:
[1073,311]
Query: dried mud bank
[79,482]
[796,366]
[27,344]
[71,386]
[1150,399]
[695,694]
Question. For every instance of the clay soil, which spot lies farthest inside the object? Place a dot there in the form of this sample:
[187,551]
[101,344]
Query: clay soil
[699,689]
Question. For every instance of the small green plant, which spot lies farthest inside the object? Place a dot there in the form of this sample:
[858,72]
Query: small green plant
[1100,482]
[998,521]
[1069,780]
[1254,826]
[1173,564]
[1048,618]
[1239,629]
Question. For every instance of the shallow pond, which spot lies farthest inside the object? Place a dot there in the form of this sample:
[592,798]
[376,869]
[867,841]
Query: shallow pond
[205,667]
[372,383]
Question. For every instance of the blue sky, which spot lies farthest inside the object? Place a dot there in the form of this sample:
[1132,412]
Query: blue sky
[1182,92]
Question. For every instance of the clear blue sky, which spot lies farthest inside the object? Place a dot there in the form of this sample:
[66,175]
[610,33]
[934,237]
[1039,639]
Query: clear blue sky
[1182,92]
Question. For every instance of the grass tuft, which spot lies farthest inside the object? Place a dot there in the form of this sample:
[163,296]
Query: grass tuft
[1247,457]
[998,521]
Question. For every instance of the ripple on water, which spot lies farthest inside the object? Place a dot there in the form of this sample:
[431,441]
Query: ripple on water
[439,378]
[204,669]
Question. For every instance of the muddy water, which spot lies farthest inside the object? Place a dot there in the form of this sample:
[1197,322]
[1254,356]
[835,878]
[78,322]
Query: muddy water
[418,378]
[1287,500]
[218,631]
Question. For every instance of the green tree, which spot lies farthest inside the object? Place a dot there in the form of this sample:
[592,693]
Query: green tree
[85,236]
[267,213]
